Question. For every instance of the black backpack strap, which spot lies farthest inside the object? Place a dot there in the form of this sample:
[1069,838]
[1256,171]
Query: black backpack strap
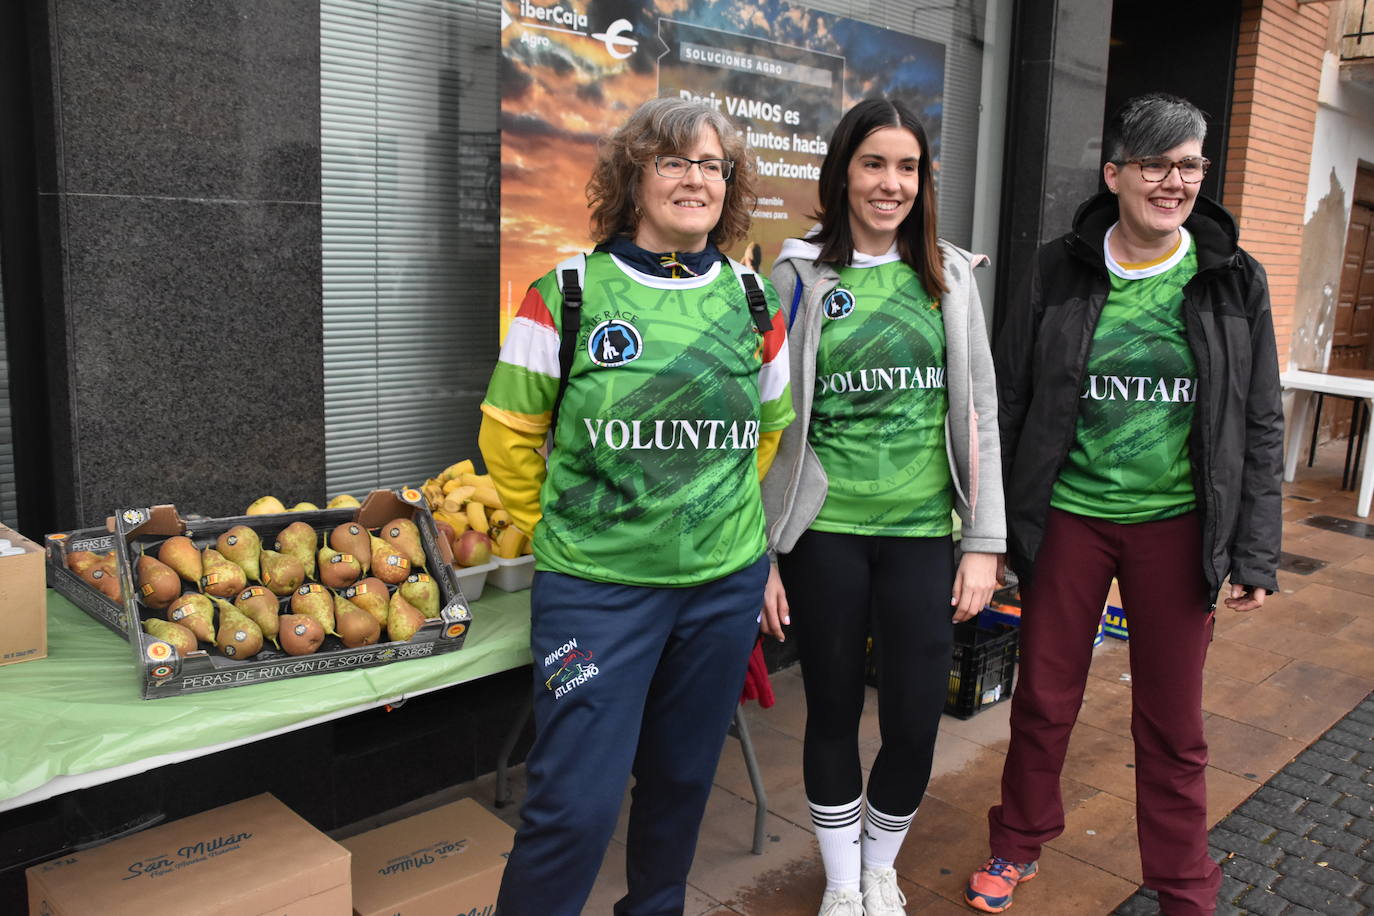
[569,329]
[758,305]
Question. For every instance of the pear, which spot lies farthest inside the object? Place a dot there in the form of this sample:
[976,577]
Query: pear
[241,545]
[238,636]
[343,501]
[158,583]
[356,626]
[195,612]
[422,591]
[181,554]
[388,563]
[266,505]
[403,619]
[222,578]
[174,634]
[316,601]
[304,506]
[350,537]
[300,634]
[299,540]
[402,534]
[338,570]
[80,560]
[282,574]
[372,596]
[105,581]
[260,606]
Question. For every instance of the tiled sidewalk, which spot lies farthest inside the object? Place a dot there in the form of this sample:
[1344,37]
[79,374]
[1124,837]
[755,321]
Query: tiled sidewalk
[1304,842]
[1276,683]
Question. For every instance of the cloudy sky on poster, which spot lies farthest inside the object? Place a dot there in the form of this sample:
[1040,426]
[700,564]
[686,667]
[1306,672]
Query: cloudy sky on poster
[571,73]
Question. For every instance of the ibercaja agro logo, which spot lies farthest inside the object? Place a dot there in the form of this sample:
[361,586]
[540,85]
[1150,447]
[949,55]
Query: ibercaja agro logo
[617,38]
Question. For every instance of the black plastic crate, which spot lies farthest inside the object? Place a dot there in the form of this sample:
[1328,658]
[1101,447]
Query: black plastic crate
[980,672]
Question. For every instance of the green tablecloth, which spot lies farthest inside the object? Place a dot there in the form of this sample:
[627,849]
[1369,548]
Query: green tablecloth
[78,710]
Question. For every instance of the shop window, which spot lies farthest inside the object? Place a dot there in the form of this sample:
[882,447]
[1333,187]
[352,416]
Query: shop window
[410,182]
[409,165]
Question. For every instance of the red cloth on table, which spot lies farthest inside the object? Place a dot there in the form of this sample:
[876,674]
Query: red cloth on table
[756,683]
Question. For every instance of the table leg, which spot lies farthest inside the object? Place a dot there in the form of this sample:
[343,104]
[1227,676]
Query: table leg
[1367,474]
[1316,426]
[503,756]
[1301,402]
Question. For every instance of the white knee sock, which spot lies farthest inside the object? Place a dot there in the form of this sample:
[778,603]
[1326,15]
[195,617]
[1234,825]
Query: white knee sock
[837,832]
[882,837]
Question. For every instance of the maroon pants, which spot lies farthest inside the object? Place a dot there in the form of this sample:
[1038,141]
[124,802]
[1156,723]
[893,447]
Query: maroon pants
[1157,565]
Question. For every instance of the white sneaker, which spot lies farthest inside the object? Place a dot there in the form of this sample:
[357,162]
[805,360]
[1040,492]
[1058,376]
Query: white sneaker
[841,903]
[881,895]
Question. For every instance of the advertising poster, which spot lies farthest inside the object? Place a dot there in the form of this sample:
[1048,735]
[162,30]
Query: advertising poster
[573,70]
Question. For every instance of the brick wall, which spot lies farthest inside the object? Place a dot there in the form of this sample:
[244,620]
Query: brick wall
[1273,110]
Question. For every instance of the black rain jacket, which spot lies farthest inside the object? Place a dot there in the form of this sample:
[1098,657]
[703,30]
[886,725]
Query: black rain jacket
[1236,443]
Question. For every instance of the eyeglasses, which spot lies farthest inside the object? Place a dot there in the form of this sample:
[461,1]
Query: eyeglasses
[677,166]
[1156,168]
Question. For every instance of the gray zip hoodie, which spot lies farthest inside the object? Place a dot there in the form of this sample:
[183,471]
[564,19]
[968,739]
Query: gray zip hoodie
[795,488]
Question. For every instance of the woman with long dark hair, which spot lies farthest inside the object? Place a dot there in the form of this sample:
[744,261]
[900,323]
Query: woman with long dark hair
[893,386]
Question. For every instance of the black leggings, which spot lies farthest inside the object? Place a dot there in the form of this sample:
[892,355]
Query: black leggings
[843,588]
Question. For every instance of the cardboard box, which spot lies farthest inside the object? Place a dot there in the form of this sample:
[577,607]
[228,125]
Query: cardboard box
[1113,616]
[255,857]
[164,672]
[23,600]
[445,862]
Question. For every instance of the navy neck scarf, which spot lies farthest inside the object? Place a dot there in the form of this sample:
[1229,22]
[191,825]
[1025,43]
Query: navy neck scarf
[674,264]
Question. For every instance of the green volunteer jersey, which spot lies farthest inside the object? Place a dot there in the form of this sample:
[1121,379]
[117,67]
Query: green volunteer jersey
[878,419]
[652,479]
[1129,461]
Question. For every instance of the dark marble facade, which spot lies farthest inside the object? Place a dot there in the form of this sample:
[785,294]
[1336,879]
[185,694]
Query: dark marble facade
[1056,96]
[180,204]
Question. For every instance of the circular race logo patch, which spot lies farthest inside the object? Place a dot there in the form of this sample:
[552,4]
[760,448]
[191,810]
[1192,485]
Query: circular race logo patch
[839,303]
[614,343]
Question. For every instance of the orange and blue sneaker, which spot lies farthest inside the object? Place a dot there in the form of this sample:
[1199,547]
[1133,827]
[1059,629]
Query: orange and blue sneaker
[990,888]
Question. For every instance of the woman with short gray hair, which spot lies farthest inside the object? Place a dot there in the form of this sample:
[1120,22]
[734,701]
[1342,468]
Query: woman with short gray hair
[1142,437]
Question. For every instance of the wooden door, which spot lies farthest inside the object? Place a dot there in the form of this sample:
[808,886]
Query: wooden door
[1355,302]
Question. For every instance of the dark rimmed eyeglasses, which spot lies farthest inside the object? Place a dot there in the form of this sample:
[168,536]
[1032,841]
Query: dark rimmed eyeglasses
[1191,169]
[677,166]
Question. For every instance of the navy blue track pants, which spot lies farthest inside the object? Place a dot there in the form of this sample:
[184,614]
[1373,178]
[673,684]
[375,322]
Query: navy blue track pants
[627,680]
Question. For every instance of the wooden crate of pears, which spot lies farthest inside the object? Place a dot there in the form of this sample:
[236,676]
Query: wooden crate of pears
[218,602]
[468,509]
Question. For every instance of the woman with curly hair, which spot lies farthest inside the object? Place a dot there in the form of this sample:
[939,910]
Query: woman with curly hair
[664,396]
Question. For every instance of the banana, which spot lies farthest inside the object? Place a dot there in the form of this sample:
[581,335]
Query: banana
[456,469]
[456,502]
[499,518]
[457,521]
[487,496]
[507,542]
[477,480]
[477,515]
[432,493]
